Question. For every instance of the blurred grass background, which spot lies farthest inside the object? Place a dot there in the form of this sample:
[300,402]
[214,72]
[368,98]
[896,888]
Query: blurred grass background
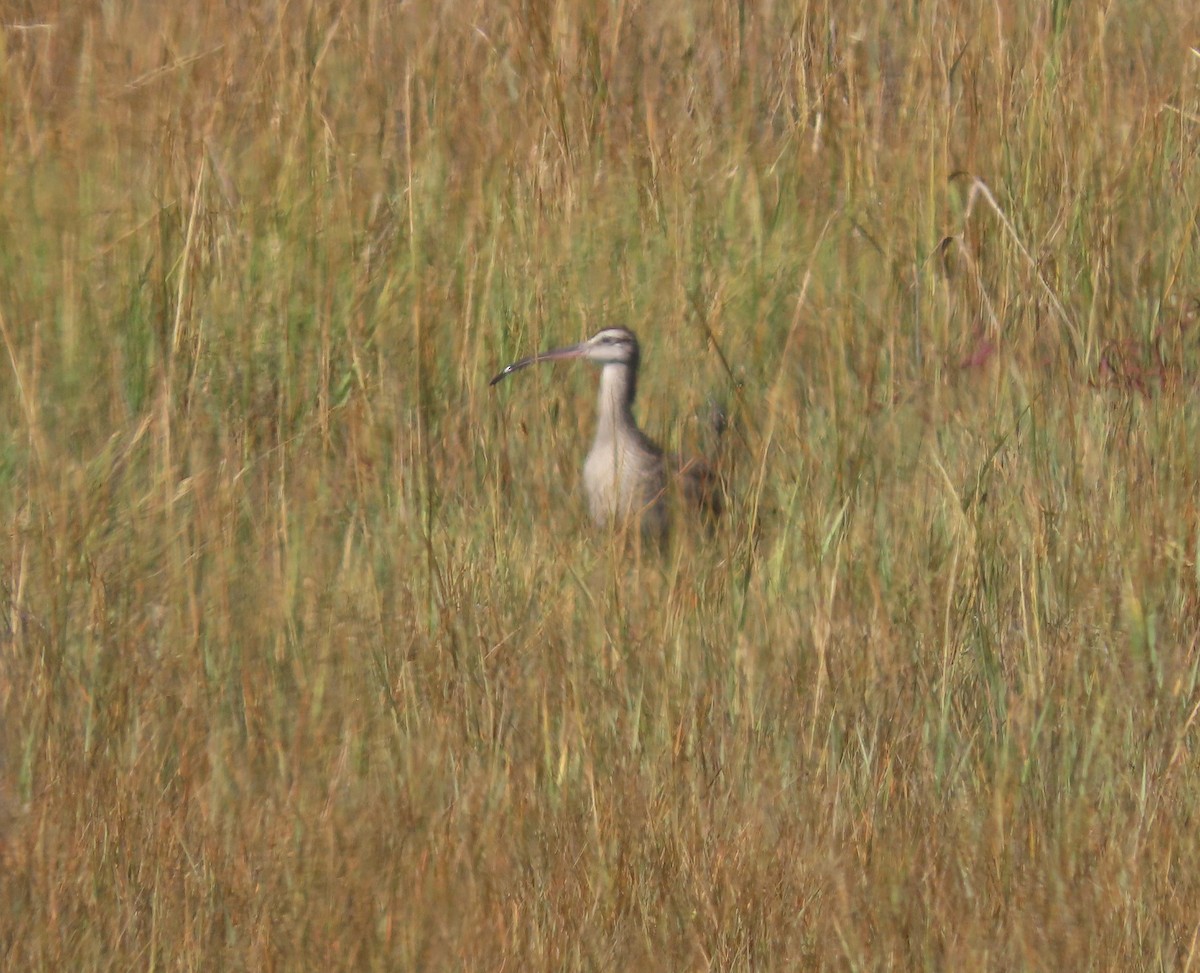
[309,657]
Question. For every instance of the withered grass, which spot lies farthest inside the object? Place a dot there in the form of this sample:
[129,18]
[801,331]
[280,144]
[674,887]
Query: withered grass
[309,658]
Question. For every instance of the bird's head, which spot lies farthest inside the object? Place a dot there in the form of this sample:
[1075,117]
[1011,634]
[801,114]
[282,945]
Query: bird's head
[612,346]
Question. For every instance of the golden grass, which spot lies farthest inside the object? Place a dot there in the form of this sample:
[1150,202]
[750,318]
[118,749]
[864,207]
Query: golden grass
[309,658]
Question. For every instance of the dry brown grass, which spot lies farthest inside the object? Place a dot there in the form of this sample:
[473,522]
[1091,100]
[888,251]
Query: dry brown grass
[309,659]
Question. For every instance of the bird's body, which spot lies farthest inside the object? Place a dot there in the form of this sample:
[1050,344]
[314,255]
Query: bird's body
[626,476]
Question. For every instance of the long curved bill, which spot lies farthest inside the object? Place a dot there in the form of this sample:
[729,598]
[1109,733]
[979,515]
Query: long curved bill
[570,351]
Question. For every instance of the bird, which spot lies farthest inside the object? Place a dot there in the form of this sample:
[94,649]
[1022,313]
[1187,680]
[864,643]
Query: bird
[627,477]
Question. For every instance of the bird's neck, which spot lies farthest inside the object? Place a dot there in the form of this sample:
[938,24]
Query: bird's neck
[614,413]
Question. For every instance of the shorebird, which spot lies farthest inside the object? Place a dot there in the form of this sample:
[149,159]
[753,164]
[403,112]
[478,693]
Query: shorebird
[626,476]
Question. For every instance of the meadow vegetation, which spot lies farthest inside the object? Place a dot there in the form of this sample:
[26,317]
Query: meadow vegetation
[309,657]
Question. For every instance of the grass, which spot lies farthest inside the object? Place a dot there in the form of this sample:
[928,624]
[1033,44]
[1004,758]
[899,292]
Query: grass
[309,656]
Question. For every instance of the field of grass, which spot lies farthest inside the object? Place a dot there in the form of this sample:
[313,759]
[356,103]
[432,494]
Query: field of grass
[309,657]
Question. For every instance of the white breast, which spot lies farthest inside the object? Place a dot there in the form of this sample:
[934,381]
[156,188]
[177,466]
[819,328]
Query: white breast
[624,482]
